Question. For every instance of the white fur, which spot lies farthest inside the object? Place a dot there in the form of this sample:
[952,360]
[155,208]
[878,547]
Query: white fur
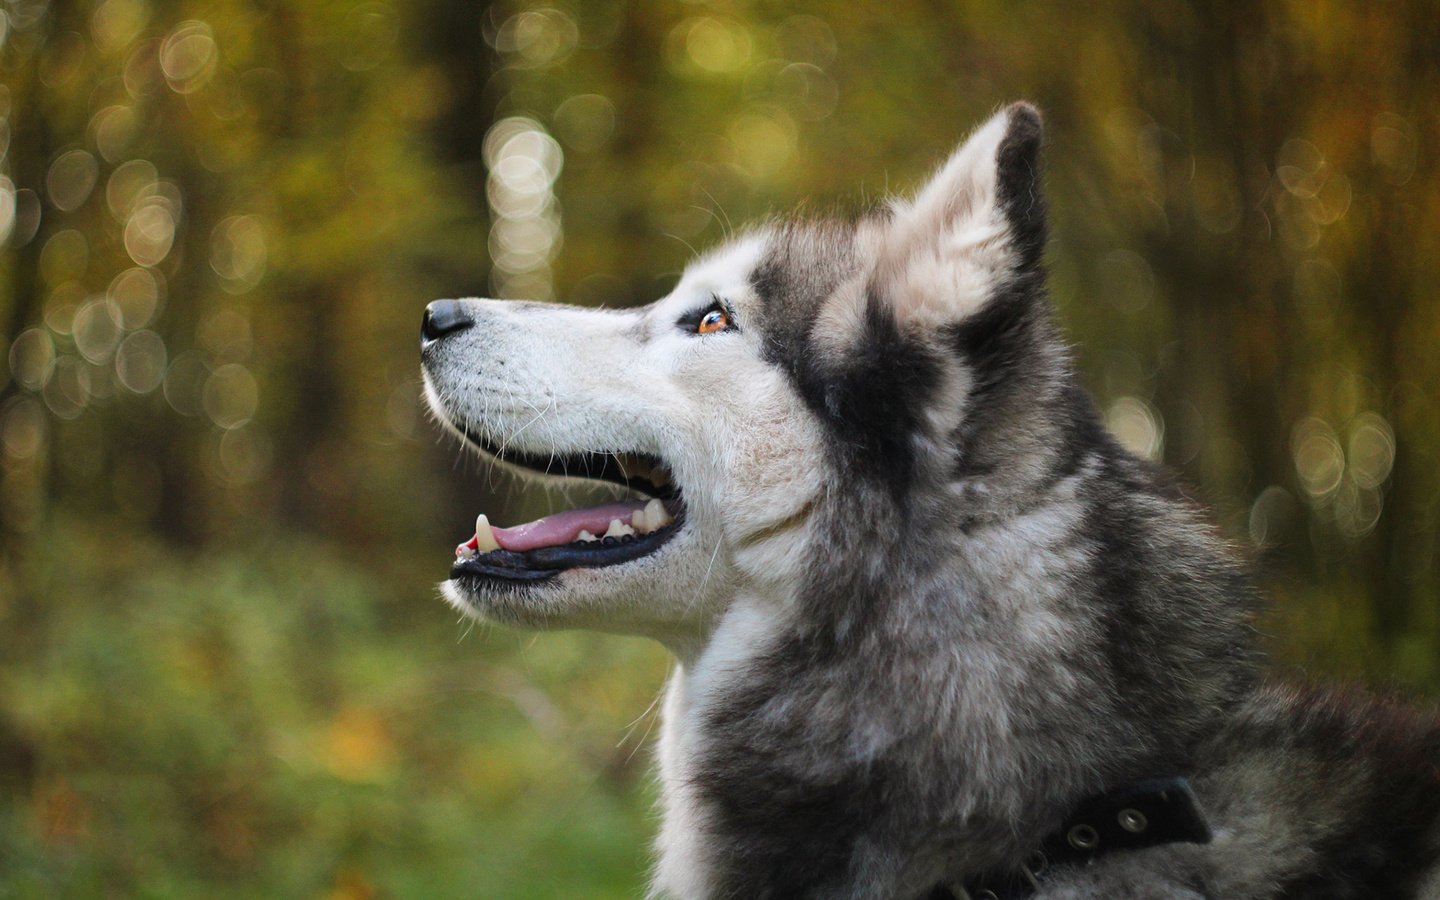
[944,251]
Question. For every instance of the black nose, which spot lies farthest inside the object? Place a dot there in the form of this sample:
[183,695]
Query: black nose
[443,317]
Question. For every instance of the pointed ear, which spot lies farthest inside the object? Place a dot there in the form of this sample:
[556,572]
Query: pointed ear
[978,223]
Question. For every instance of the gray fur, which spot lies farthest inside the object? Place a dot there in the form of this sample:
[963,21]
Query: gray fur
[905,669]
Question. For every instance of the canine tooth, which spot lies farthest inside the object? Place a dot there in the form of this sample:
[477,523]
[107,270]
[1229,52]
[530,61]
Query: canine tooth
[657,514]
[586,536]
[484,537]
[651,517]
[617,529]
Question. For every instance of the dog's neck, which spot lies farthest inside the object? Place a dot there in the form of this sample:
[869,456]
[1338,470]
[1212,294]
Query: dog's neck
[988,643]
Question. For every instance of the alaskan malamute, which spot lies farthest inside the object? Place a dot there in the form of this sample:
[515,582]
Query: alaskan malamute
[938,634]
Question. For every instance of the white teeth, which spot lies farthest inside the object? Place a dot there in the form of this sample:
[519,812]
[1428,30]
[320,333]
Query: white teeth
[657,515]
[484,537]
[617,529]
[653,516]
[465,551]
[586,536]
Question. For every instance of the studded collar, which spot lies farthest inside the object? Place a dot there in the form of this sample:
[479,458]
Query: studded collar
[1149,813]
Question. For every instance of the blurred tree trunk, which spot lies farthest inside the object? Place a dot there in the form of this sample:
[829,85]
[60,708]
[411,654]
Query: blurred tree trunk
[1240,334]
[454,38]
[29,149]
[1222,299]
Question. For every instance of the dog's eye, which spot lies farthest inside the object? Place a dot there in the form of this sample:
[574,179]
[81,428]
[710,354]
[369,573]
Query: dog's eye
[708,319]
[712,321]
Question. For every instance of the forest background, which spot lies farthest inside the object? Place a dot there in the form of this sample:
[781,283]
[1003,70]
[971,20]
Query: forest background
[224,669]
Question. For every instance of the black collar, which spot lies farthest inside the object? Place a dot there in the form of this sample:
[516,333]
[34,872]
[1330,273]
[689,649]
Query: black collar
[1148,813]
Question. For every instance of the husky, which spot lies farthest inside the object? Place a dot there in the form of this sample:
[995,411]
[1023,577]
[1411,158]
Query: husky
[937,634]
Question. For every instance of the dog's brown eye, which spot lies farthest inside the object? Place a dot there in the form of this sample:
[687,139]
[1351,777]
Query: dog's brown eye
[714,320]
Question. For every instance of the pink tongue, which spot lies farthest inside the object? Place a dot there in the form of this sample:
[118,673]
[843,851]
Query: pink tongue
[562,528]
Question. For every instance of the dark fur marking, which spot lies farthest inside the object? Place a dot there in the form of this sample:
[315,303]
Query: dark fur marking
[784,835]
[871,400]
[1018,183]
[1157,663]
[996,343]
[875,399]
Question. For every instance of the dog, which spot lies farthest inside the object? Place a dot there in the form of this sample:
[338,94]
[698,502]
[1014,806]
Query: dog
[938,635]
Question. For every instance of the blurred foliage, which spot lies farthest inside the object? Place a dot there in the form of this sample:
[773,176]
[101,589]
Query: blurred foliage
[223,669]
[245,722]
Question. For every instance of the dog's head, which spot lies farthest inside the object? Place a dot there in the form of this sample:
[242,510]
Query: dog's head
[806,392]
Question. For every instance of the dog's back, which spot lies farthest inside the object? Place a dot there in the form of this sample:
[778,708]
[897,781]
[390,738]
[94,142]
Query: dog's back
[1312,795]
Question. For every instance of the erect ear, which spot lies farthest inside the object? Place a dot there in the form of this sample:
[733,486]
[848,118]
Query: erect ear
[978,223]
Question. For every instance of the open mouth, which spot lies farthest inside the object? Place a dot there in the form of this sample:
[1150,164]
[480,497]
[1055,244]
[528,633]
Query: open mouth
[589,537]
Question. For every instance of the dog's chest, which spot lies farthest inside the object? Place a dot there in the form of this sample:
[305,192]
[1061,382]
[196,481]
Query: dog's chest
[684,845]
[769,737]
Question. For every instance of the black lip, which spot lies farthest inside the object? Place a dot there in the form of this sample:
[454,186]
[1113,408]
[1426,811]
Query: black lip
[544,563]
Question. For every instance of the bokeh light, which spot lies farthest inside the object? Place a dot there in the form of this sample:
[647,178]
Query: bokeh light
[1319,459]
[225,336]
[71,178]
[128,183]
[140,361]
[67,390]
[28,214]
[1137,425]
[137,293]
[1370,452]
[150,231]
[230,395]
[524,162]
[185,378]
[24,428]
[115,23]
[245,453]
[32,358]
[1394,146]
[96,329]
[537,37]
[188,56]
[7,208]
[112,129]
[1272,516]
[238,253]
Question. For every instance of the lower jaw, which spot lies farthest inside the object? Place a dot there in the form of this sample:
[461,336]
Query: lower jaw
[545,563]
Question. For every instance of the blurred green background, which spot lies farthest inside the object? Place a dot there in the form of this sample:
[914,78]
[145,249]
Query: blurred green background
[224,669]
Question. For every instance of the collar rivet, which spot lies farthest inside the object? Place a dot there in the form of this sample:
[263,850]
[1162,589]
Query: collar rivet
[1132,820]
[1083,837]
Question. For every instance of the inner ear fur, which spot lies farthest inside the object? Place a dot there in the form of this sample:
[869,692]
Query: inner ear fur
[979,221]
